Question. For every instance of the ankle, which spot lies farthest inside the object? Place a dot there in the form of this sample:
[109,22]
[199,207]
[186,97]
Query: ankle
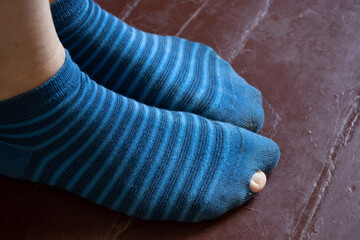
[31,51]
[30,74]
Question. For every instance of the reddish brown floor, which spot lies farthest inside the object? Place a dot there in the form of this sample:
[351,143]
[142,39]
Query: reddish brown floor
[304,57]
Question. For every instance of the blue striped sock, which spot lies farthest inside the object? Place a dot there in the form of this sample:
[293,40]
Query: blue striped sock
[166,72]
[142,161]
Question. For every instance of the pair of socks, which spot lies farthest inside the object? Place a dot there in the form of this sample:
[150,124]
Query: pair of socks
[166,72]
[92,139]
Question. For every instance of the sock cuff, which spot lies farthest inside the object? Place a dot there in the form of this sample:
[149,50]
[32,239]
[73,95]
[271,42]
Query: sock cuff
[44,97]
[64,11]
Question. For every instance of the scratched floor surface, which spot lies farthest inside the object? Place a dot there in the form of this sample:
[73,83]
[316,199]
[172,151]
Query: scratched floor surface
[304,57]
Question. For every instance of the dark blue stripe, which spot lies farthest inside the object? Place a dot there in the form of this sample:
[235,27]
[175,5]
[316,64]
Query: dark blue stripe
[79,187]
[193,172]
[215,161]
[123,63]
[130,79]
[164,77]
[208,96]
[51,167]
[134,160]
[77,26]
[150,71]
[182,105]
[74,169]
[111,170]
[141,211]
[171,93]
[159,211]
[147,163]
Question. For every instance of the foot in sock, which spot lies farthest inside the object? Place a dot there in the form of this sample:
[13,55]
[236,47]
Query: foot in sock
[142,161]
[166,72]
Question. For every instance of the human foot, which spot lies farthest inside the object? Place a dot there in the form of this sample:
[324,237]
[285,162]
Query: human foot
[142,161]
[166,72]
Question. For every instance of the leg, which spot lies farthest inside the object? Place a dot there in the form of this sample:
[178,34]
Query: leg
[30,50]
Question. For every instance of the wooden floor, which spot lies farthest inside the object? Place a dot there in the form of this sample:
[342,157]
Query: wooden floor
[304,56]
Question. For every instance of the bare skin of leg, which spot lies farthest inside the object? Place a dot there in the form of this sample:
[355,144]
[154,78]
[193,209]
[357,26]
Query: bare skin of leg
[30,51]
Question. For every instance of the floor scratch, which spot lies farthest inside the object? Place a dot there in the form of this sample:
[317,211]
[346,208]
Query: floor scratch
[130,9]
[273,130]
[192,17]
[259,17]
[343,137]
[120,228]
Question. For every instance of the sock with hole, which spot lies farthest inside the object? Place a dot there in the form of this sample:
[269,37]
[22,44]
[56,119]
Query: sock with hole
[162,71]
[142,161]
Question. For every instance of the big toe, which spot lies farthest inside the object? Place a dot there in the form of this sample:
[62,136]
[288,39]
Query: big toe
[246,168]
[259,156]
[257,182]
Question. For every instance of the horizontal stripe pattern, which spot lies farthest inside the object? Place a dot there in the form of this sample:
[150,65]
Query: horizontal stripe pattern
[137,64]
[162,71]
[139,160]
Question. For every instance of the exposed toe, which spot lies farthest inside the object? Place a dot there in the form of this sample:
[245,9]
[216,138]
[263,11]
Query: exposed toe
[258,181]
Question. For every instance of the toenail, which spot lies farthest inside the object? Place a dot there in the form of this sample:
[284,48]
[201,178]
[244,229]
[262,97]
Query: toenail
[258,181]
